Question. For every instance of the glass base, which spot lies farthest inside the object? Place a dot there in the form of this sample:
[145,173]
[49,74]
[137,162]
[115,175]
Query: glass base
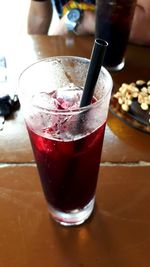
[74,217]
[120,66]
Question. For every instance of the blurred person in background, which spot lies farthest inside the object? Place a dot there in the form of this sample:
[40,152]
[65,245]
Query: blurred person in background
[79,17]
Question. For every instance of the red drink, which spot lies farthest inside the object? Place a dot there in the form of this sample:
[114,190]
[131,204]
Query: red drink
[68,169]
[66,139]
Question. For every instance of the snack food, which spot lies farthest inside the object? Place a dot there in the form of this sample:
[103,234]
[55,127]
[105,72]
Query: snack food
[134,98]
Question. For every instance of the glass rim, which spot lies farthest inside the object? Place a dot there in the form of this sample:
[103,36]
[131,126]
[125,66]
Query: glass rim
[76,110]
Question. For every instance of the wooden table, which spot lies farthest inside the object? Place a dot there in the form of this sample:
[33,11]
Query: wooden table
[118,233]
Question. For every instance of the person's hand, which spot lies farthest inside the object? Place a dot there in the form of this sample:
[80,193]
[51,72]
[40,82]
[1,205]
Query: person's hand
[140,30]
[86,26]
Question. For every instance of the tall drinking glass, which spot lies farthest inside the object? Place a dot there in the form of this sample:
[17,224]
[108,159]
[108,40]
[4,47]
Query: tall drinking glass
[113,24]
[66,140]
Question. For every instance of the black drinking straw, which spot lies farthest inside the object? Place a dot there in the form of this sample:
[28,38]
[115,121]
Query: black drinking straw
[96,62]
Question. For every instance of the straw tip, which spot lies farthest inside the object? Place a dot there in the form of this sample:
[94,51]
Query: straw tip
[101,42]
